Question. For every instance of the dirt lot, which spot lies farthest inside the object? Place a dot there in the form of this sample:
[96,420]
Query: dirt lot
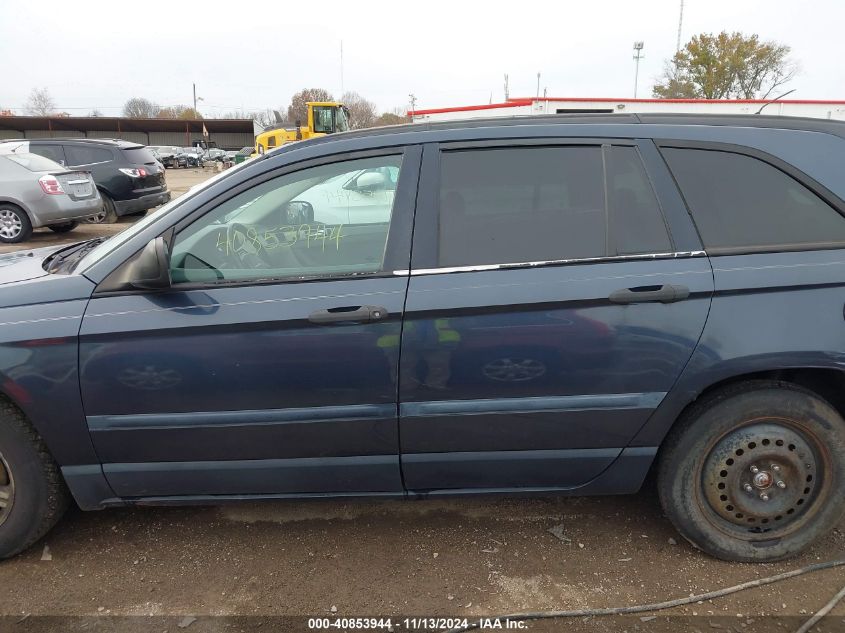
[268,566]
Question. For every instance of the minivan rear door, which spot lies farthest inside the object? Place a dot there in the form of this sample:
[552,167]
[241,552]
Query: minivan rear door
[557,290]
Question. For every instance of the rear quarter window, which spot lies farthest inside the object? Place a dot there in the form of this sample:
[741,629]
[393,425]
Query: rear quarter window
[139,155]
[740,201]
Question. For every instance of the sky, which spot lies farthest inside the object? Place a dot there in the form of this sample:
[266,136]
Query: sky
[253,55]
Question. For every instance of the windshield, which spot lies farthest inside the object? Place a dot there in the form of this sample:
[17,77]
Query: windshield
[112,243]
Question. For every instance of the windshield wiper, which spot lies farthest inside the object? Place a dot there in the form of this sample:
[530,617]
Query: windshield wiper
[55,261]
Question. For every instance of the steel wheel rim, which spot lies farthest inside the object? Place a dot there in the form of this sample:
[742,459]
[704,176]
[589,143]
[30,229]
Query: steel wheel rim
[764,480]
[97,218]
[10,224]
[7,490]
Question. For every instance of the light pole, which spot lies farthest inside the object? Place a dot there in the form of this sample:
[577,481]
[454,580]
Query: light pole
[196,98]
[638,55]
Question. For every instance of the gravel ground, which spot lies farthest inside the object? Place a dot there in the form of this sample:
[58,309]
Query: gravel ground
[269,566]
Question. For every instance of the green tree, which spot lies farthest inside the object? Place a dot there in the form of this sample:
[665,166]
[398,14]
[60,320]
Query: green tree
[178,112]
[726,66]
[389,118]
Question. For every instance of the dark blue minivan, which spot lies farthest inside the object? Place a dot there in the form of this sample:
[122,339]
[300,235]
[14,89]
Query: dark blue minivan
[533,305]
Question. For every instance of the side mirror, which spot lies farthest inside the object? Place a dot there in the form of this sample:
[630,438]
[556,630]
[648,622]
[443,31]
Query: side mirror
[369,181]
[151,268]
[299,212]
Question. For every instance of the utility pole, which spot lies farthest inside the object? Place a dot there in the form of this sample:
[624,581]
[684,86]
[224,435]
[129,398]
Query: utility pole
[538,85]
[638,55]
[195,97]
[507,91]
[413,100]
[680,25]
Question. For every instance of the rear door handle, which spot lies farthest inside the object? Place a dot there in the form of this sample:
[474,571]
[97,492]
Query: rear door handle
[352,314]
[667,293]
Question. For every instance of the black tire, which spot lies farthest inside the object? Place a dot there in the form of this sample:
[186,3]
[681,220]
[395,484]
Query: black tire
[755,472]
[65,227]
[14,224]
[35,507]
[108,215]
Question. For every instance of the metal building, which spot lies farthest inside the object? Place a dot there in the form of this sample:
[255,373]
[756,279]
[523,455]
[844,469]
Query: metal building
[580,105]
[226,133]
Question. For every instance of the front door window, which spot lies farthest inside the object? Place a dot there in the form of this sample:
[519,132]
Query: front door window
[326,221]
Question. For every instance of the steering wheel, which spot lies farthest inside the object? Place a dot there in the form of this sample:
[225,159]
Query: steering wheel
[247,247]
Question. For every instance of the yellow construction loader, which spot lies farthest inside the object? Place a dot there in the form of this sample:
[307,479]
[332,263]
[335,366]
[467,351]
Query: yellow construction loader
[324,117]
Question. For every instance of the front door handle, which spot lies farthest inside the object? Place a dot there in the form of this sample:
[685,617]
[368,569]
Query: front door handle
[667,293]
[351,314]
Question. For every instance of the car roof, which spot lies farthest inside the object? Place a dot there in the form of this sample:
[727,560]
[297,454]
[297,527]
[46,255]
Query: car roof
[828,126]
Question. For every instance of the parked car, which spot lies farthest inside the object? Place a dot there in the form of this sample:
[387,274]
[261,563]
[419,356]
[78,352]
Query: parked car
[193,156]
[214,154]
[127,174]
[36,191]
[230,156]
[541,305]
[171,156]
[157,157]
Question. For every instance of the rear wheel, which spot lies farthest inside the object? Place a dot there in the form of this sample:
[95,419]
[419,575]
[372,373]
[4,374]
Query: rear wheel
[108,215]
[14,224]
[755,472]
[65,227]
[32,494]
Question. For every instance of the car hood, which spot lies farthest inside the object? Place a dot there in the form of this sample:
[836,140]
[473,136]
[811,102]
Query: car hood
[24,265]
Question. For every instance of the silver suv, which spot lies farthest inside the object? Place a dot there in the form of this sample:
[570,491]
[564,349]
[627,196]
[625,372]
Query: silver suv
[36,191]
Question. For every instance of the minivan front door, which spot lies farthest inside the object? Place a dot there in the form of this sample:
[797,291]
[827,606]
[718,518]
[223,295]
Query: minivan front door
[553,317]
[270,366]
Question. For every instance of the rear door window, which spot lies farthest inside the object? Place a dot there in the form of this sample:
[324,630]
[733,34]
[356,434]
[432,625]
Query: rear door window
[53,152]
[739,201]
[84,155]
[529,204]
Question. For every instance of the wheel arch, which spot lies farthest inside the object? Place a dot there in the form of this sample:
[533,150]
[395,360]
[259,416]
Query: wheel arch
[825,381]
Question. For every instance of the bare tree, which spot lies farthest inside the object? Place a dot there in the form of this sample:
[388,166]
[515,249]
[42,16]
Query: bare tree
[362,112]
[40,103]
[297,110]
[140,108]
[95,113]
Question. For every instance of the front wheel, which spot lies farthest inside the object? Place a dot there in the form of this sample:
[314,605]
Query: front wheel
[755,472]
[32,494]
